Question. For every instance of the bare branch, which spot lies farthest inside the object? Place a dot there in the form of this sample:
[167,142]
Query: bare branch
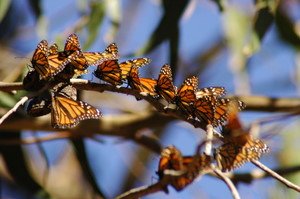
[14,109]
[276,176]
[228,182]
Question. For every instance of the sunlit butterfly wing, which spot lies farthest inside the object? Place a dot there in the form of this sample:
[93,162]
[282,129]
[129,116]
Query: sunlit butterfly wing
[67,112]
[165,87]
[204,110]
[126,67]
[110,72]
[147,86]
[39,60]
[96,58]
[185,96]
[239,147]
[133,79]
[53,49]
[211,91]
[72,45]
[221,110]
[232,155]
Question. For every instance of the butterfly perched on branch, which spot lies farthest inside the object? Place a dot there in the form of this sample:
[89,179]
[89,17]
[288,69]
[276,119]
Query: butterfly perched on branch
[67,111]
[188,168]
[49,65]
[165,87]
[239,145]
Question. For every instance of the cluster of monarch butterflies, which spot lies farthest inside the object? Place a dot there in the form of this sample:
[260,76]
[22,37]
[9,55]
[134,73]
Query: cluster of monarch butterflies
[238,148]
[53,67]
[205,104]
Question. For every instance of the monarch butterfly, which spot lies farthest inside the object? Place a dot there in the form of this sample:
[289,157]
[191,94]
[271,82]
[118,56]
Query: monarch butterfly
[239,147]
[147,86]
[211,91]
[204,110]
[192,166]
[209,107]
[40,105]
[48,65]
[221,110]
[127,66]
[96,58]
[67,112]
[110,72]
[72,45]
[165,86]
[185,96]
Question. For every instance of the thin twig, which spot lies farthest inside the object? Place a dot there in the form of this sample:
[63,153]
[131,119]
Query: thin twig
[209,138]
[276,175]
[14,109]
[259,174]
[228,182]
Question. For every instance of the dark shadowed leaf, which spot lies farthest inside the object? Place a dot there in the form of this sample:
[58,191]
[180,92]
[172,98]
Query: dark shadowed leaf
[167,30]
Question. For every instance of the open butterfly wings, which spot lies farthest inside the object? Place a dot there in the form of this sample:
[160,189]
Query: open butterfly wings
[67,112]
[239,147]
[128,66]
[96,58]
[165,86]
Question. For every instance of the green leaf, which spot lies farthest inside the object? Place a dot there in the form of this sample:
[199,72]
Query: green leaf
[95,20]
[4,5]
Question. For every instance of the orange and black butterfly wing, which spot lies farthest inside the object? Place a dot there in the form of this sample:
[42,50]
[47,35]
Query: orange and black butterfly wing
[110,72]
[96,58]
[165,86]
[186,95]
[53,49]
[80,63]
[39,60]
[133,79]
[68,112]
[126,67]
[204,110]
[211,91]
[147,85]
[229,156]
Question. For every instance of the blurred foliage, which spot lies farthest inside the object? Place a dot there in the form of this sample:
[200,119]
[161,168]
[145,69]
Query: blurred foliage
[4,6]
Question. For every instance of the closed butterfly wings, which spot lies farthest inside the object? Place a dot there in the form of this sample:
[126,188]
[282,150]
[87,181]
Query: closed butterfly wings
[185,96]
[130,67]
[165,86]
[67,112]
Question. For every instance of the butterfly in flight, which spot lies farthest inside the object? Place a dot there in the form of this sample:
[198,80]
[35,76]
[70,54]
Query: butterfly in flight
[165,87]
[239,146]
[67,111]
